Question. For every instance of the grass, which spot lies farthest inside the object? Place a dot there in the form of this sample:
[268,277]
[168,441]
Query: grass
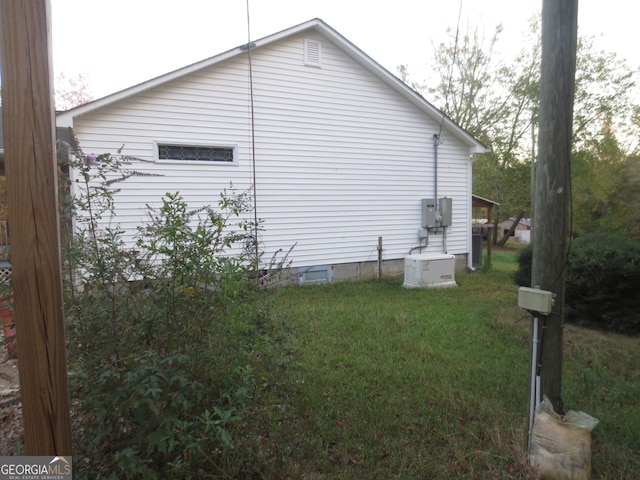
[433,383]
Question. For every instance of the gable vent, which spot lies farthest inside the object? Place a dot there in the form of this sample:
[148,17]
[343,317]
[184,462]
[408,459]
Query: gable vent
[312,52]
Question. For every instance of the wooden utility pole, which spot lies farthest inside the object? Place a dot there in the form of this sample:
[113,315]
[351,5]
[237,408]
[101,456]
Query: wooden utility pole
[552,193]
[30,155]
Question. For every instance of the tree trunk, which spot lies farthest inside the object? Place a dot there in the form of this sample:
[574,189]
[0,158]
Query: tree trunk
[507,235]
[494,230]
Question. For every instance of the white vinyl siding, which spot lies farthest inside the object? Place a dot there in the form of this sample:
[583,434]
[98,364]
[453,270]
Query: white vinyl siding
[340,157]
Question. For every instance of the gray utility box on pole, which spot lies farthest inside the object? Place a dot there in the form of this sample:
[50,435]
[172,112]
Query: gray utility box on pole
[535,300]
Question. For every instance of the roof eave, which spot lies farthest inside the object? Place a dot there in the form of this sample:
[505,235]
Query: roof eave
[475,146]
[65,119]
[483,201]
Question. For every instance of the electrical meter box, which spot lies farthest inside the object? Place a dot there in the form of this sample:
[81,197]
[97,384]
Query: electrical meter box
[445,211]
[429,213]
[436,213]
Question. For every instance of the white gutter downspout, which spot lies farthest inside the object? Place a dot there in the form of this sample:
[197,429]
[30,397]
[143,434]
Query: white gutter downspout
[470,218]
[436,141]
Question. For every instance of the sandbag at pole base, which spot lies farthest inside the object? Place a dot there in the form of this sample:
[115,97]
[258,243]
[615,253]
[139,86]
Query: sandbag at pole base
[561,444]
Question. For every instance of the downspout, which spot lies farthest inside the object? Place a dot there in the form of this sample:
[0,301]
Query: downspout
[470,217]
[444,239]
[473,158]
[436,142]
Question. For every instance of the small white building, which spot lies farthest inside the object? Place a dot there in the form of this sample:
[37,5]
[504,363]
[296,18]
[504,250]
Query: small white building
[522,231]
[342,152]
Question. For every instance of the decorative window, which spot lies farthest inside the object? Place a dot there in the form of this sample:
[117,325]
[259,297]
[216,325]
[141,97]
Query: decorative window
[196,153]
[312,52]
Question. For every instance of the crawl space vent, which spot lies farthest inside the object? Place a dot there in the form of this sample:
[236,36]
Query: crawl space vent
[312,53]
[317,274]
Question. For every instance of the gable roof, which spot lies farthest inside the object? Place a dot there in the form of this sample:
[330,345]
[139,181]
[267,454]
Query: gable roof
[65,119]
[480,202]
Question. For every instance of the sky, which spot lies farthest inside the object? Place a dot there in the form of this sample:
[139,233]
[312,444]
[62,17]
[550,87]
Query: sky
[120,43]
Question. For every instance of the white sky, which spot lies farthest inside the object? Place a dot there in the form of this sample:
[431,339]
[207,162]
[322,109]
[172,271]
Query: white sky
[120,43]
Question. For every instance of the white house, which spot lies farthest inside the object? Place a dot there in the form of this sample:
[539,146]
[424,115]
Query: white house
[342,152]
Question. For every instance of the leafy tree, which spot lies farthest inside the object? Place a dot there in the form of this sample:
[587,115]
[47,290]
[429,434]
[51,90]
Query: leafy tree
[596,171]
[605,143]
[604,102]
[626,201]
[468,83]
[497,102]
[71,92]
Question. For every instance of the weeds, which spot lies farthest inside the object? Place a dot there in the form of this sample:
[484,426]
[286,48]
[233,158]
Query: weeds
[172,344]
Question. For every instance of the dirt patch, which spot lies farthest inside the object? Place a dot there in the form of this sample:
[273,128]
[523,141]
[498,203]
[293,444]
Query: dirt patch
[11,427]
[8,375]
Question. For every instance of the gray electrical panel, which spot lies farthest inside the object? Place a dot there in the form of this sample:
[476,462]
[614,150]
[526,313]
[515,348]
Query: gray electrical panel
[429,211]
[436,213]
[445,211]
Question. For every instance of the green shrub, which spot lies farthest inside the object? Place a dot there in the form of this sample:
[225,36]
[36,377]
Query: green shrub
[603,271]
[171,344]
[602,279]
[522,276]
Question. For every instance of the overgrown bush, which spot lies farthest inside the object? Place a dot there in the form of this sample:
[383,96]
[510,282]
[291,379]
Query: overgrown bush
[602,283]
[522,276]
[603,271]
[171,342]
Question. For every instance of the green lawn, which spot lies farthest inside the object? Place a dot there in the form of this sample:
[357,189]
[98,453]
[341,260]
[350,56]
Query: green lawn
[433,383]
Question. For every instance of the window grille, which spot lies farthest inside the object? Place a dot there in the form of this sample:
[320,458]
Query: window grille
[196,153]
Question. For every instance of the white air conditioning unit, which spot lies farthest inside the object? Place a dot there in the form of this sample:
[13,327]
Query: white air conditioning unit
[430,271]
